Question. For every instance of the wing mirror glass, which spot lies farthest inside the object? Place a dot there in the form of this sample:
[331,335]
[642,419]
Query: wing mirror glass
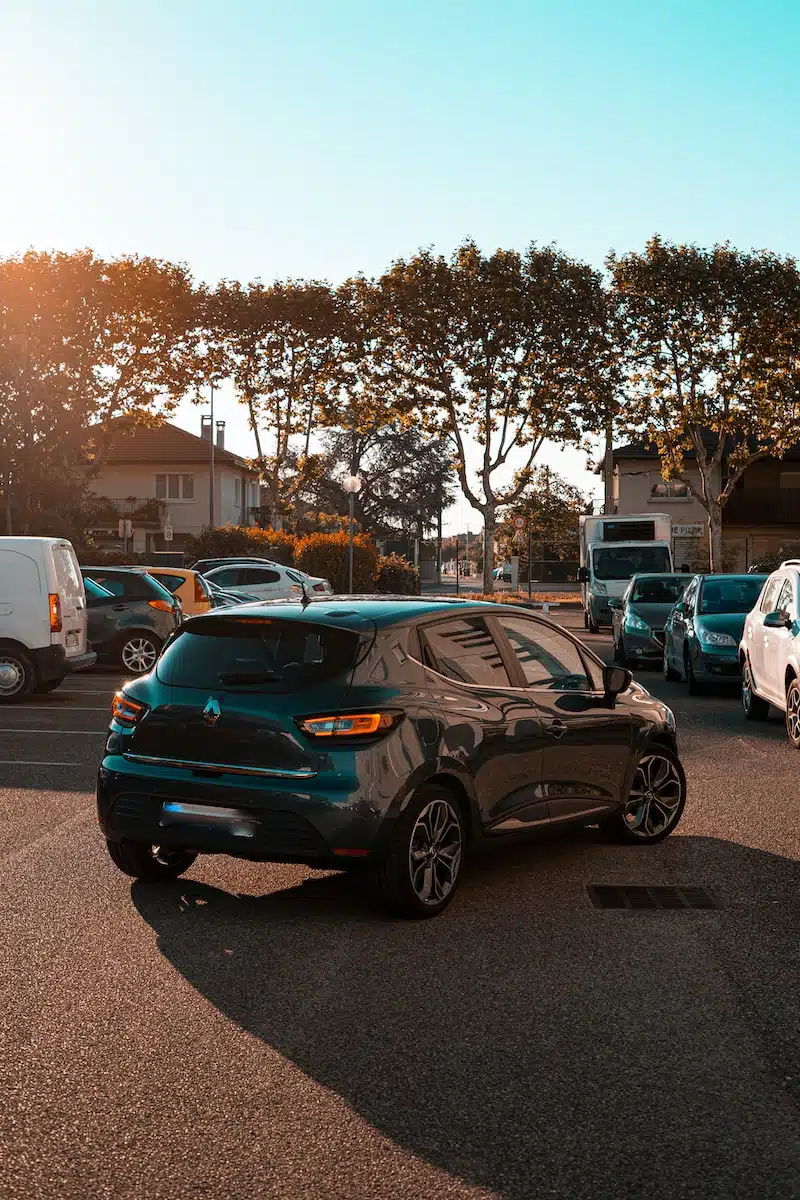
[778,620]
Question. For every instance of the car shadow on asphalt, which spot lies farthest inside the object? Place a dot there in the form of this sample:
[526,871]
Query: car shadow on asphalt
[524,1041]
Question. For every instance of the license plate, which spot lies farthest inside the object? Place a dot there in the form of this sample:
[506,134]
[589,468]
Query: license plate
[73,641]
[231,820]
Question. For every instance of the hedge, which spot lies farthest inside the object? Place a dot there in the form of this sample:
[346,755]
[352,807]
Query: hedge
[396,576]
[326,555]
[240,540]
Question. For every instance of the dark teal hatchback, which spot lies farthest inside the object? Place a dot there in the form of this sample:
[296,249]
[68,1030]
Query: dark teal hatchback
[386,734]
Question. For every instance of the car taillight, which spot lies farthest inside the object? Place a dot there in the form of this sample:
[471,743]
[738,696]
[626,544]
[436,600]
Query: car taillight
[320,587]
[199,591]
[56,624]
[350,725]
[163,605]
[126,710]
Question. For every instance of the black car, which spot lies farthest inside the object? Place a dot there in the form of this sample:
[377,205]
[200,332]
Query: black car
[130,617]
[386,734]
[638,618]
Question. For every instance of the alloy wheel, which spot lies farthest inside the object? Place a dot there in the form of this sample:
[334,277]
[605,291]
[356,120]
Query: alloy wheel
[747,689]
[12,676]
[139,655]
[655,797]
[793,714]
[434,854]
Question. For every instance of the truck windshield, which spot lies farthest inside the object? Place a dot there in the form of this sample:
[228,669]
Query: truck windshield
[621,562]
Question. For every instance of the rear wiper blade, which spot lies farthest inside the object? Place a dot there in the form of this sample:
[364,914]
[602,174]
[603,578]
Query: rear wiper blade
[247,676]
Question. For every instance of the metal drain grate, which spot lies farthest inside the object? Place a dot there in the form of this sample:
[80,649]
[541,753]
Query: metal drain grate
[651,897]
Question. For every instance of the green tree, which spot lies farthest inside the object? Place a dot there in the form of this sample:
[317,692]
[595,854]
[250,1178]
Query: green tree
[710,342]
[508,350]
[551,506]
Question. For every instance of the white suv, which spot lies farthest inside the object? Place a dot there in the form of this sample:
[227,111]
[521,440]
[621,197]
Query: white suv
[769,652]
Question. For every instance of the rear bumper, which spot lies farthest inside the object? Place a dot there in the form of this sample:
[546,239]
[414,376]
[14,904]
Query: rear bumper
[278,820]
[52,663]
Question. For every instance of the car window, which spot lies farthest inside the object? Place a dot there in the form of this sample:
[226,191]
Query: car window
[131,585]
[689,596]
[225,577]
[548,658]
[171,582]
[465,650]
[736,594]
[664,590]
[258,575]
[95,593]
[785,601]
[67,573]
[771,594]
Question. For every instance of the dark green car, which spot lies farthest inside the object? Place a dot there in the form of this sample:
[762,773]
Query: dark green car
[703,631]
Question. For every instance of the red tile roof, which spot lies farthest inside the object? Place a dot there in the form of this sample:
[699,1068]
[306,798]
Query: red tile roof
[167,444]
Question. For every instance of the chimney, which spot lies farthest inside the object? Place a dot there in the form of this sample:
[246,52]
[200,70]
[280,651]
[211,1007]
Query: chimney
[220,435]
[205,428]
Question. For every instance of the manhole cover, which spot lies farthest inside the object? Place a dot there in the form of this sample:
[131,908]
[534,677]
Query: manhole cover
[603,896]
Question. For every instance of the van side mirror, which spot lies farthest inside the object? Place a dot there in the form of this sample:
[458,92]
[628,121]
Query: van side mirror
[583,575]
[615,681]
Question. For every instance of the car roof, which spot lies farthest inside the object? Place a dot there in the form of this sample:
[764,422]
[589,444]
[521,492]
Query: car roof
[721,578]
[382,610]
[164,570]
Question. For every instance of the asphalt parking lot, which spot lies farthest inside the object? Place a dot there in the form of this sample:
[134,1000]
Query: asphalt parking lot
[261,1031]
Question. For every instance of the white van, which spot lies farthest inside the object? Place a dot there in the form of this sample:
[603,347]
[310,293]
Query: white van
[42,616]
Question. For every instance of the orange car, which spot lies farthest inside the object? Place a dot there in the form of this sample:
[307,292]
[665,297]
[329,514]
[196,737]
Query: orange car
[187,585]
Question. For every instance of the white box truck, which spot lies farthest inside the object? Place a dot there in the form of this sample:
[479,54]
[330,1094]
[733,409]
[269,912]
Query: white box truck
[612,550]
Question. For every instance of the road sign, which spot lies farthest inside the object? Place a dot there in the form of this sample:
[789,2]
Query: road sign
[125,529]
[519,522]
[167,533]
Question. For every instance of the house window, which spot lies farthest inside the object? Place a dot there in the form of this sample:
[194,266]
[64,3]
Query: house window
[237,491]
[174,487]
[669,489]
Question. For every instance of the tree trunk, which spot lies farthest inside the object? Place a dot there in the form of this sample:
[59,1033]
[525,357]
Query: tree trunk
[488,548]
[715,537]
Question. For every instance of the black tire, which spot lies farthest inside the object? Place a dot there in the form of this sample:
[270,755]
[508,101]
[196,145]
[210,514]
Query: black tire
[620,656]
[17,675]
[399,892]
[753,707]
[154,863]
[691,679]
[670,674]
[593,626]
[629,825]
[793,713]
[585,620]
[50,686]
[141,643]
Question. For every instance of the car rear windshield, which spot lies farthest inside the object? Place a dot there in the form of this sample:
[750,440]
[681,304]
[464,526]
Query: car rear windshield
[129,585]
[730,595]
[260,653]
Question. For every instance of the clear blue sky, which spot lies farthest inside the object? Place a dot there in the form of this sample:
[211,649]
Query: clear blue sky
[317,138]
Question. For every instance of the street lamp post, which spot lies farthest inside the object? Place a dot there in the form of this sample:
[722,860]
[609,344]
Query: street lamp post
[352,485]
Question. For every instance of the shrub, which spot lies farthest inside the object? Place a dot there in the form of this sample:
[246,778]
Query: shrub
[90,556]
[325,555]
[396,576]
[240,540]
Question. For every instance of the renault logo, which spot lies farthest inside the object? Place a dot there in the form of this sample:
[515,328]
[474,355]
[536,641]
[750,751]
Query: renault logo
[212,711]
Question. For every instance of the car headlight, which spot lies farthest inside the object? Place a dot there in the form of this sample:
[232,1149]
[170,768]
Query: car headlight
[670,716]
[710,637]
[600,588]
[635,624]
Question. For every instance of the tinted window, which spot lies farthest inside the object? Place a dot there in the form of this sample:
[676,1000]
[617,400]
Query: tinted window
[228,577]
[260,653]
[170,582]
[620,562]
[665,590]
[465,650]
[96,593]
[258,575]
[548,658]
[128,584]
[785,601]
[737,594]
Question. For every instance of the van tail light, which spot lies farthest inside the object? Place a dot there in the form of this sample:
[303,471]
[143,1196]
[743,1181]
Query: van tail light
[162,605]
[56,623]
[351,725]
[126,710]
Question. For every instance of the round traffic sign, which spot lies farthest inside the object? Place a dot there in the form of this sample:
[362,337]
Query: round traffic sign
[519,522]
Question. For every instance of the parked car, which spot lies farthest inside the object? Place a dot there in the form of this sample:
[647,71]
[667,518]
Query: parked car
[267,582]
[639,615]
[203,565]
[769,653]
[131,626]
[387,735]
[223,599]
[703,631]
[43,623]
[189,586]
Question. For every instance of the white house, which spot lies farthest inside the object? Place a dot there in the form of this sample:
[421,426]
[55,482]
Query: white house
[161,478]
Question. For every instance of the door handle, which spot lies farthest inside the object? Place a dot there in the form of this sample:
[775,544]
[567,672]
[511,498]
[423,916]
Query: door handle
[557,728]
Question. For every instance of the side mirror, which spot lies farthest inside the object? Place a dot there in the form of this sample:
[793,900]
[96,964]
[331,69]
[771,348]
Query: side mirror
[615,681]
[778,620]
[583,575]
[616,604]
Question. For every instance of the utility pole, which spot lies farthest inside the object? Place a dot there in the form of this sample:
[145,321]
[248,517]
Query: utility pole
[211,513]
[439,543]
